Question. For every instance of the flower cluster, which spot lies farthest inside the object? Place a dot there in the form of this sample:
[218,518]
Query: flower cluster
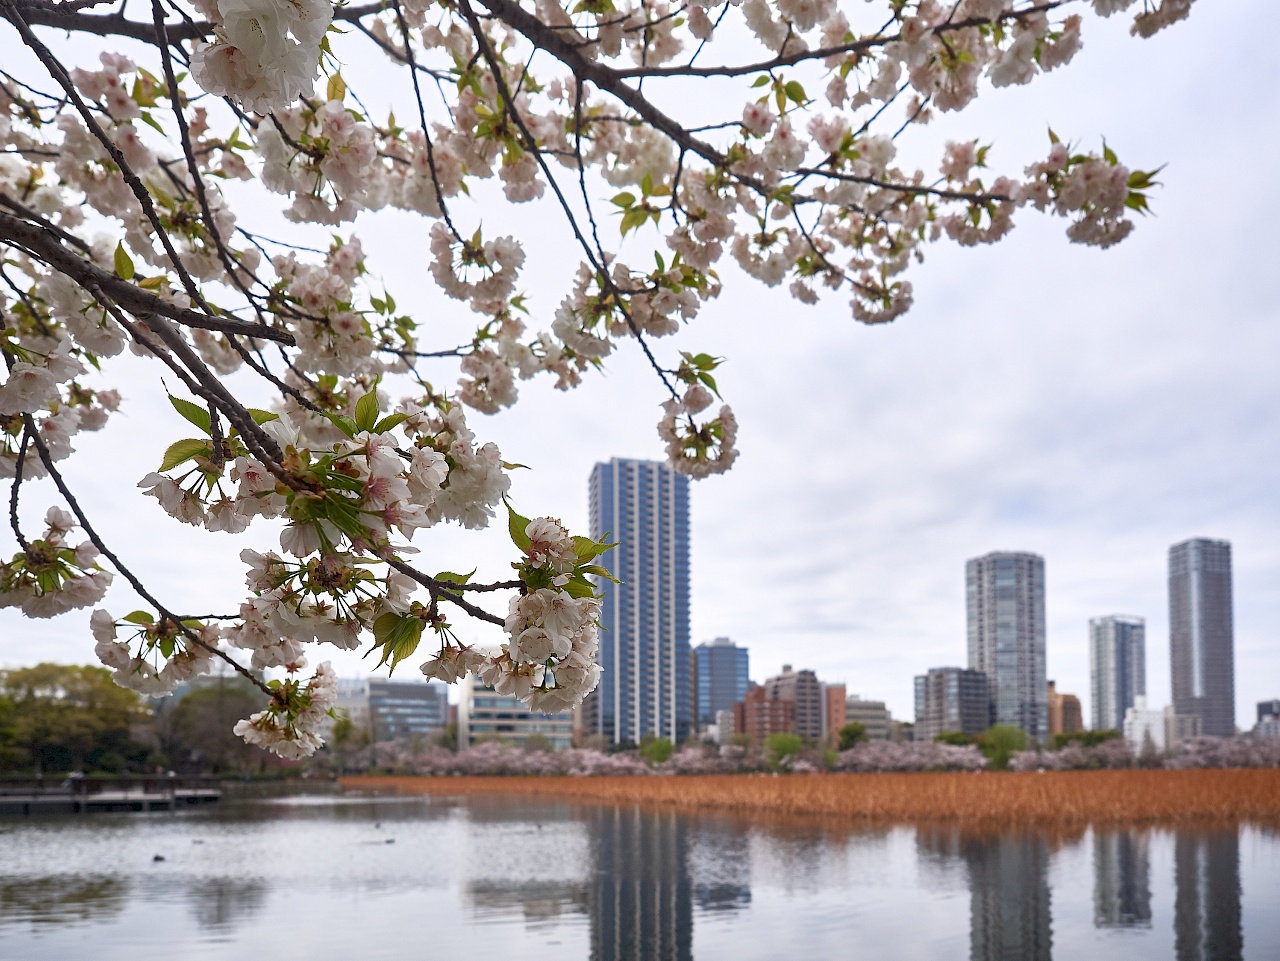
[288,726]
[159,655]
[50,577]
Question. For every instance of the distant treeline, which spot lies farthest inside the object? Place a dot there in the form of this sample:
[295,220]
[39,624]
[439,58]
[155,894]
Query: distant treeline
[56,718]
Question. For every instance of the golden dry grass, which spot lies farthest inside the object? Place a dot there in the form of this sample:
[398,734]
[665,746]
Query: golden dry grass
[1073,797]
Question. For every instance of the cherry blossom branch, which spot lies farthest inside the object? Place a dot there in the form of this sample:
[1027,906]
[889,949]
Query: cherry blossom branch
[128,574]
[37,242]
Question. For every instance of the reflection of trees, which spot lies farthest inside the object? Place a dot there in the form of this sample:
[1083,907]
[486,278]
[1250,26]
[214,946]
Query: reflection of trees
[536,900]
[1010,917]
[1121,879]
[61,899]
[218,904]
[640,897]
[1206,924]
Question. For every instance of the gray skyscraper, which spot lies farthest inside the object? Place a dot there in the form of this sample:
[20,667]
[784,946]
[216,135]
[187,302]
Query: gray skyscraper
[950,699]
[644,647]
[719,675]
[1117,667]
[1005,599]
[1201,638]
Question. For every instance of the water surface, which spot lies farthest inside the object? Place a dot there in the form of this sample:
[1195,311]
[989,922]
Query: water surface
[436,878]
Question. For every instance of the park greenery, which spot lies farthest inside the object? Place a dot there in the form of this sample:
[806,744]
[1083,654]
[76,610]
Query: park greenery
[182,181]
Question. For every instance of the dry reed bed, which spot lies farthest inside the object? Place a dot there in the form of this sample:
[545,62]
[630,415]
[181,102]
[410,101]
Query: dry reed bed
[1052,797]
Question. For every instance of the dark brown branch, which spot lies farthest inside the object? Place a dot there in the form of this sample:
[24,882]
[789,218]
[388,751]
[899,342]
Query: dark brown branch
[37,242]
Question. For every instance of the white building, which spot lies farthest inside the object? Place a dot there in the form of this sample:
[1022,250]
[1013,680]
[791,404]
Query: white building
[1143,726]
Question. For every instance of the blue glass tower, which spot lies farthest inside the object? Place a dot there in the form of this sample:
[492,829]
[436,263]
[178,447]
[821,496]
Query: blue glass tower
[644,647]
[720,674]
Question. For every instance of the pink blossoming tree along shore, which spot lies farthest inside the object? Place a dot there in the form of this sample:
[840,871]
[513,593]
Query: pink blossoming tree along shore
[123,125]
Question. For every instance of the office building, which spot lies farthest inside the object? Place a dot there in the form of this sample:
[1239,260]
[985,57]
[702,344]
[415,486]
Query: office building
[758,715]
[951,699]
[872,715]
[718,677]
[1206,902]
[1065,715]
[1269,709]
[804,692]
[1004,594]
[406,709]
[1117,667]
[1121,879]
[1201,637]
[644,647]
[833,716]
[486,715]
[726,726]
[1144,728]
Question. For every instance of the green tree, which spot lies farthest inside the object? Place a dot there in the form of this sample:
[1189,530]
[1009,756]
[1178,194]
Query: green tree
[1084,738]
[196,732]
[851,734]
[999,741]
[957,738]
[779,747]
[62,717]
[655,750]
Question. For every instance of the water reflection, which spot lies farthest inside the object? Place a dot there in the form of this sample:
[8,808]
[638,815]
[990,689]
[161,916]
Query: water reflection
[640,897]
[1121,879]
[1010,916]
[553,881]
[1207,903]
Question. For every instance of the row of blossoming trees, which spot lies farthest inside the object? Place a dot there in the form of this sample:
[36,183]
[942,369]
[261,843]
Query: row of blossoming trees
[494,759]
[125,129]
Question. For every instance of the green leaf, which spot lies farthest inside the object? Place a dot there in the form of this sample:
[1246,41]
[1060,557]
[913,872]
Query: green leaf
[367,410]
[1053,137]
[1109,155]
[192,412]
[624,199]
[398,636]
[124,263]
[646,184]
[182,451]
[579,586]
[343,423]
[761,80]
[587,549]
[166,646]
[150,121]
[139,617]
[389,422]
[517,525]
[261,416]
[337,89]
[795,92]
[598,571]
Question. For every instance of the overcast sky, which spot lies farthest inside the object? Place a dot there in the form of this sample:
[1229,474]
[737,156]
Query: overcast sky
[1091,406]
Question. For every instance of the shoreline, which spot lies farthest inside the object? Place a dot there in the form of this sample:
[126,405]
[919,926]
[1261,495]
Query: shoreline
[1061,797]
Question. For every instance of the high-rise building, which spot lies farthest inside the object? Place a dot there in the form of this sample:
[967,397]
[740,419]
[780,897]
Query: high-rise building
[1145,728]
[399,709]
[951,699]
[484,714]
[644,647]
[1201,638]
[1117,667]
[1065,716]
[804,691]
[718,678]
[1268,709]
[872,715]
[1005,600]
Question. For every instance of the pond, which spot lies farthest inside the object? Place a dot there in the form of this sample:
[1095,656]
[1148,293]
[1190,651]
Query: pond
[327,877]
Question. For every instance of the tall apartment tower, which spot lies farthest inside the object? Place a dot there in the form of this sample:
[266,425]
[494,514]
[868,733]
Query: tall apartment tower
[803,690]
[950,699]
[644,647]
[1117,668]
[1005,599]
[1201,638]
[719,673]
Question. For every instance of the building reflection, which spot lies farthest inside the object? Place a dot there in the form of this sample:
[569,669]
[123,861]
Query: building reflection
[61,899]
[1206,923]
[1009,905]
[720,865]
[640,897]
[1121,879]
[220,904]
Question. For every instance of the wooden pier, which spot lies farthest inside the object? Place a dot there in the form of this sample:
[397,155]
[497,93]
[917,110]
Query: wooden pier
[83,795]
